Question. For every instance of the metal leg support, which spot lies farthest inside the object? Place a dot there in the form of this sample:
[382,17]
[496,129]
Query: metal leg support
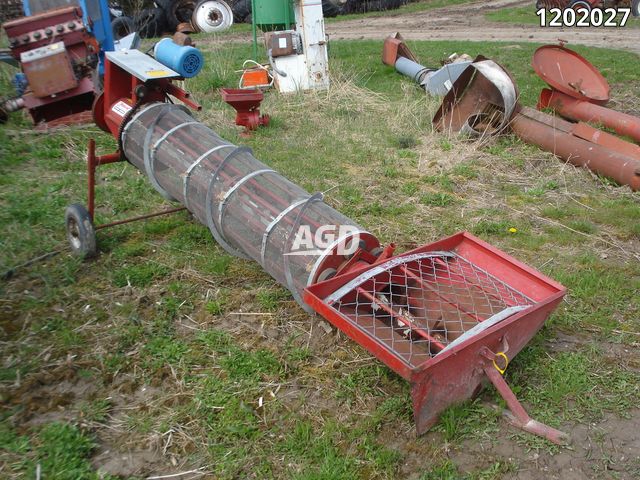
[517,416]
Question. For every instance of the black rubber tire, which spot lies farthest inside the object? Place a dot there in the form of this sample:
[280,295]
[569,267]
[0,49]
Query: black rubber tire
[80,231]
[241,10]
[150,22]
[177,12]
[364,6]
[394,4]
[330,8]
[165,4]
[122,26]
[169,15]
[635,8]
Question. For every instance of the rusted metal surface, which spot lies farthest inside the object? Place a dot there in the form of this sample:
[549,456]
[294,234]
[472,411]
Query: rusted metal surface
[604,139]
[93,162]
[567,72]
[478,105]
[480,102]
[185,27]
[73,106]
[437,80]
[80,118]
[395,47]
[49,70]
[181,38]
[568,142]
[581,110]
[27,33]
[139,218]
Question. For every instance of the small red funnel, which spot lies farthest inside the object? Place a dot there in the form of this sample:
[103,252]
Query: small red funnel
[247,105]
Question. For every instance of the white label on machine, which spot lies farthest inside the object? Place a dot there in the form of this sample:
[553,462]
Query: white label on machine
[282,42]
[121,108]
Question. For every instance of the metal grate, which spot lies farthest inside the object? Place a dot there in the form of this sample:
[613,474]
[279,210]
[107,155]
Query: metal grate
[419,304]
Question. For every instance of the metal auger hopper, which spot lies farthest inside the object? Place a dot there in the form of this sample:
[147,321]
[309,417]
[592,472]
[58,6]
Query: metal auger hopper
[444,316]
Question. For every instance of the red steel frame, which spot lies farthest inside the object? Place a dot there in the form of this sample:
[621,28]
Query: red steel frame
[93,162]
[122,86]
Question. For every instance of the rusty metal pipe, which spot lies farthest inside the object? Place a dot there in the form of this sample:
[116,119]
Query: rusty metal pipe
[581,110]
[542,130]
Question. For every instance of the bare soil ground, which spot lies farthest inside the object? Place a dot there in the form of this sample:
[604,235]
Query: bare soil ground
[467,22]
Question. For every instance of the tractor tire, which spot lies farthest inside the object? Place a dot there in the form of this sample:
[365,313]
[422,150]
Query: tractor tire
[364,6]
[331,8]
[122,26]
[167,8]
[241,10]
[150,22]
[177,12]
[635,8]
[80,231]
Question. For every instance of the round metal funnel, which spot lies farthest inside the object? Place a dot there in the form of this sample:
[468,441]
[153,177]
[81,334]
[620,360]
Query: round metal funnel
[247,104]
[567,72]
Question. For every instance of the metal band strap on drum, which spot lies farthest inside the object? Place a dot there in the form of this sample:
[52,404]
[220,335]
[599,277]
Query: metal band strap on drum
[147,151]
[272,225]
[209,204]
[154,149]
[289,243]
[143,110]
[246,178]
[187,174]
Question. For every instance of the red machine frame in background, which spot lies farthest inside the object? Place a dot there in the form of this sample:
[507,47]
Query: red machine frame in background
[64,107]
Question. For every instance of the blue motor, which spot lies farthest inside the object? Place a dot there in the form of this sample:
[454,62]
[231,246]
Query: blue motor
[187,61]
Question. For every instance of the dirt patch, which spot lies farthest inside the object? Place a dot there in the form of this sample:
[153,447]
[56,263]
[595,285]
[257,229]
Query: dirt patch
[129,464]
[467,22]
[608,449]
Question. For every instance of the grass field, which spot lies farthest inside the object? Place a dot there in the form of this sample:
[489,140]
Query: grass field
[165,354]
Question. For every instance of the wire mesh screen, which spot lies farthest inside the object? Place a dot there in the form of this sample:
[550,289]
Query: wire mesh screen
[420,304]
[251,210]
